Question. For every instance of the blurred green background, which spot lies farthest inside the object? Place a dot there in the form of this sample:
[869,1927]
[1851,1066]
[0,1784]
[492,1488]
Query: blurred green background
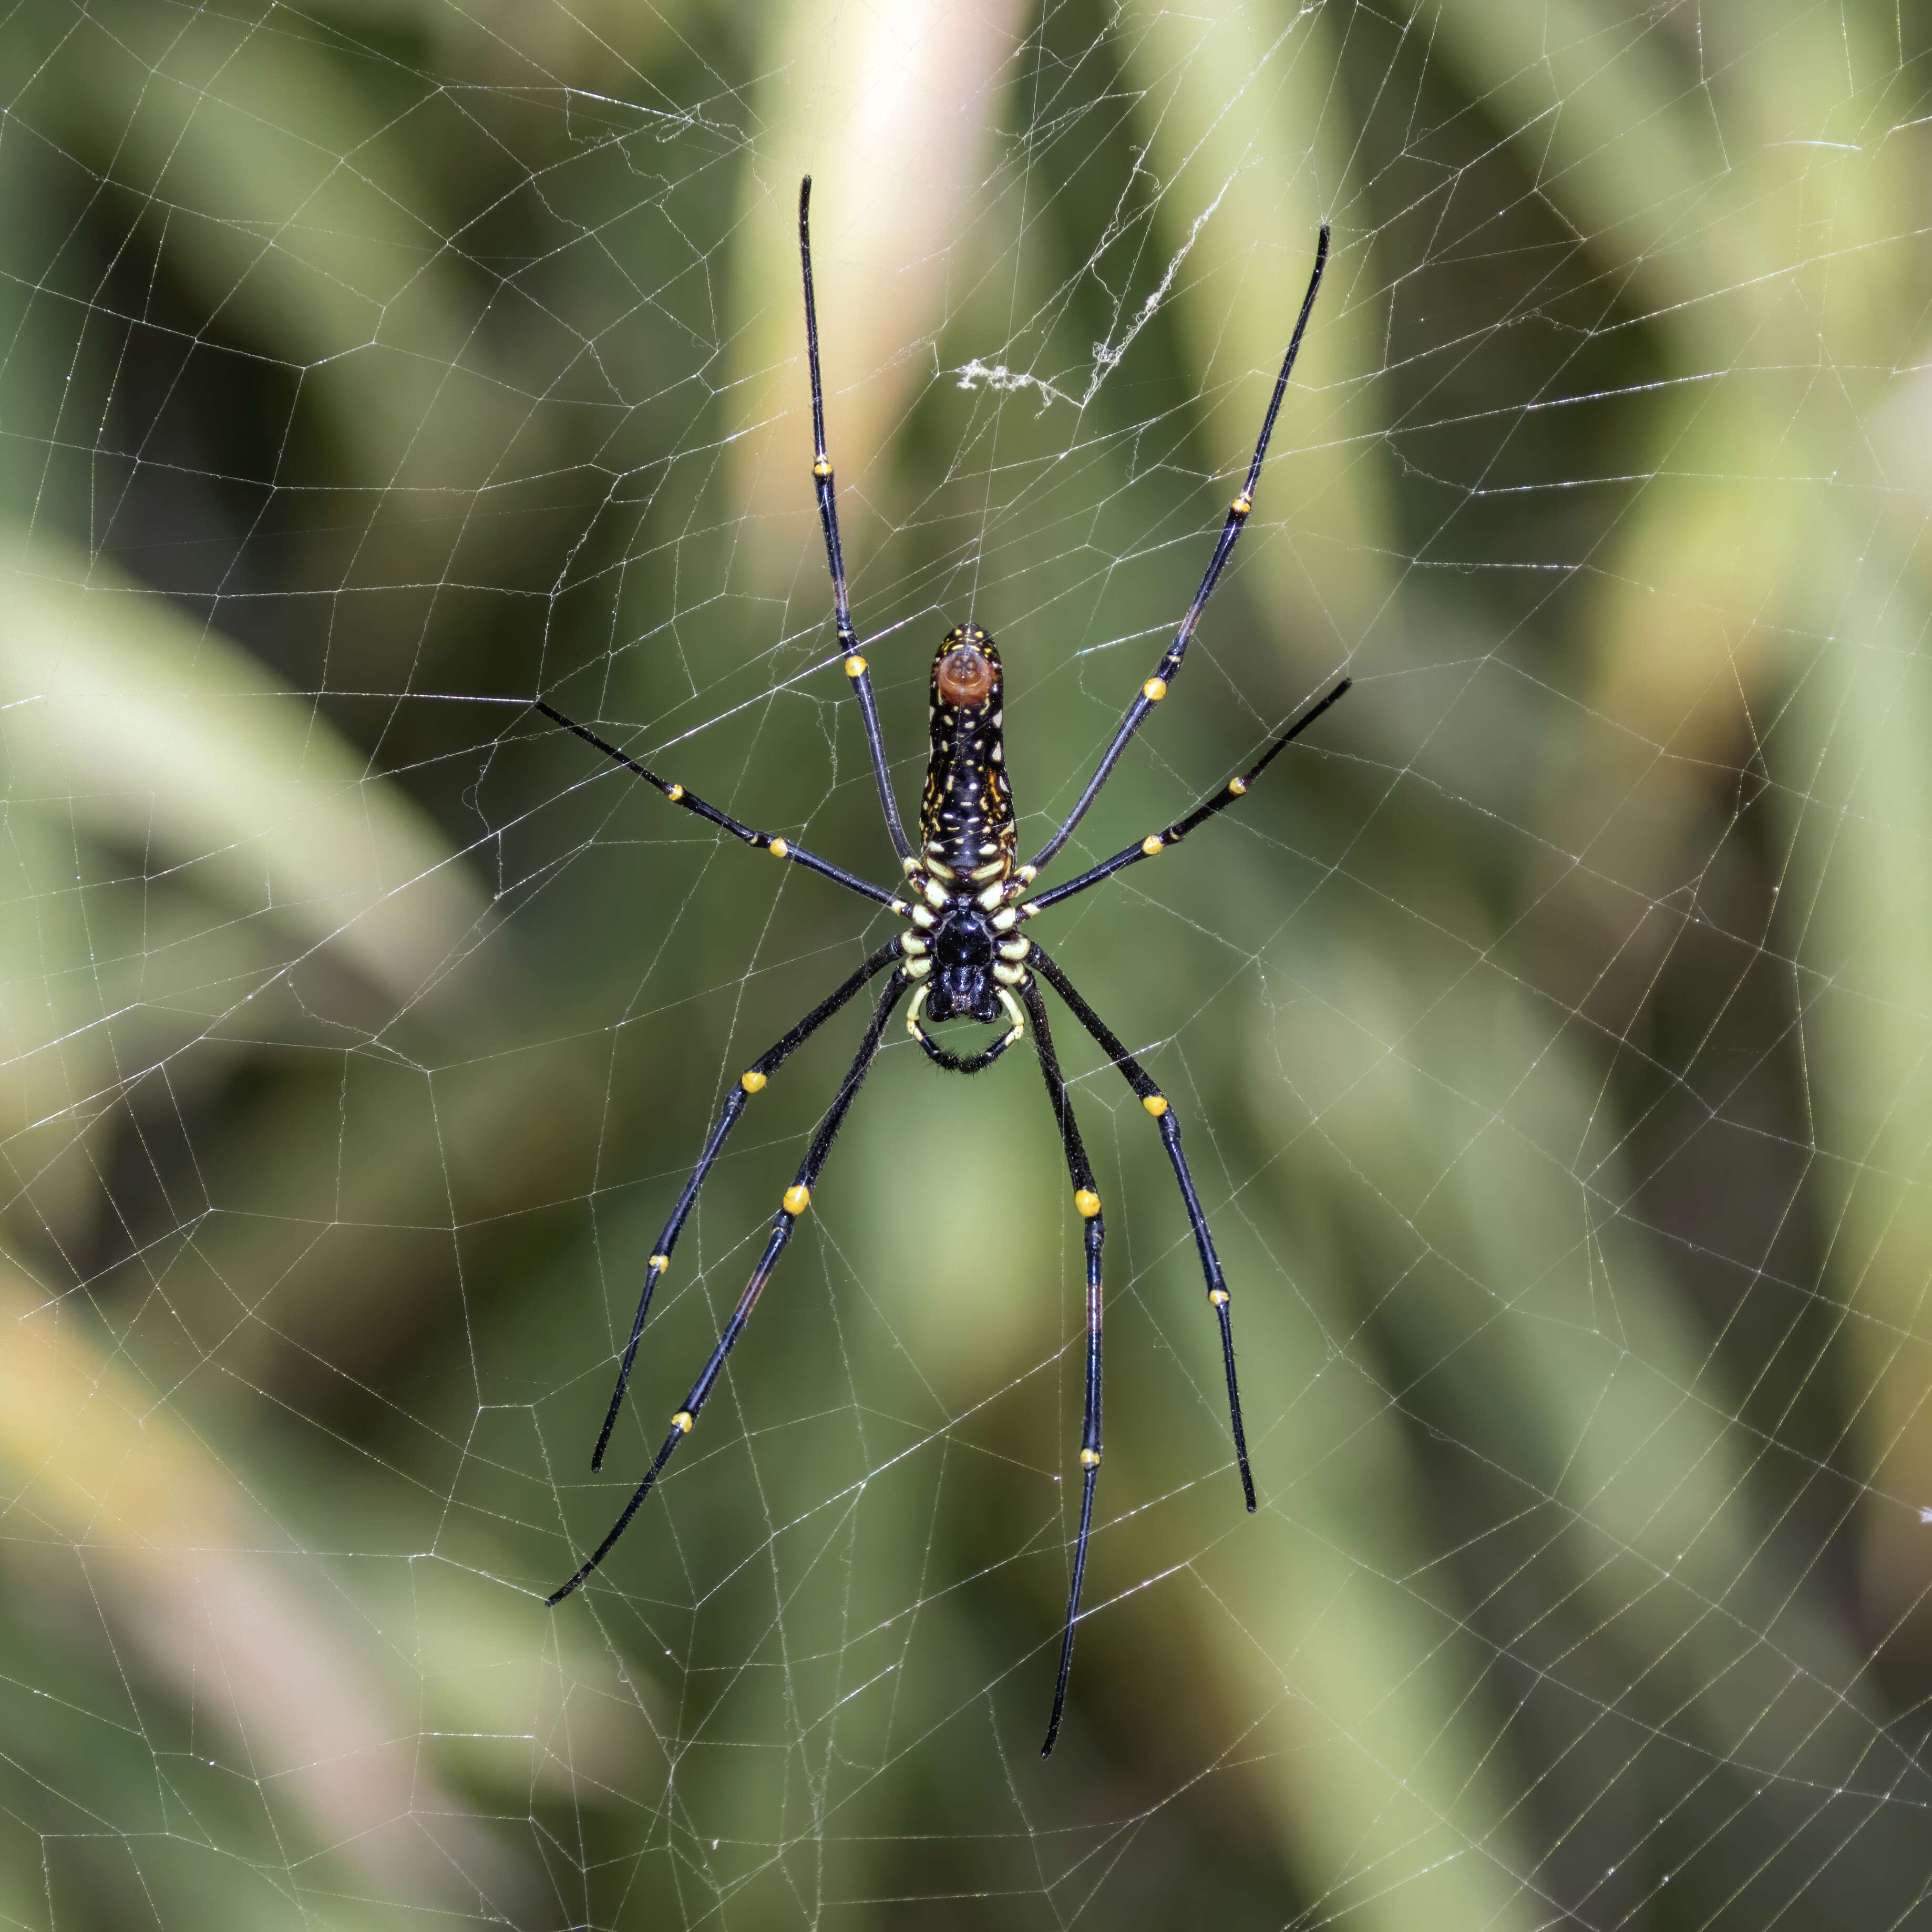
[1552,1031]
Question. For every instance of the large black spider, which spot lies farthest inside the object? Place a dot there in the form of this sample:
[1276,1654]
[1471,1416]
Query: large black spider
[962,949]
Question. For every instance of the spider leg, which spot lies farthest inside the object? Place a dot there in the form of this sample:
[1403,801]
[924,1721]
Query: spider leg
[1155,1102]
[749,1083]
[1168,668]
[797,1199]
[1086,1199]
[1159,841]
[779,848]
[856,667]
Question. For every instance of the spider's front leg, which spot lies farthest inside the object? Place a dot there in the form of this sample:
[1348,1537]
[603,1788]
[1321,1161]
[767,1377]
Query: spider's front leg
[797,1199]
[1239,511]
[1086,1199]
[856,667]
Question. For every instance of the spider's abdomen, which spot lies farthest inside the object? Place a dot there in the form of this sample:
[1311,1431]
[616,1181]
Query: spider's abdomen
[966,817]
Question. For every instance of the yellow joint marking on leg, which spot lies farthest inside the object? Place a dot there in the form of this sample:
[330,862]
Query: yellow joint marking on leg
[797,1199]
[1155,1103]
[855,666]
[1238,786]
[682,1421]
[1242,504]
[777,848]
[1087,1201]
[674,793]
[821,470]
[1090,1459]
[660,1262]
[752,1082]
[1028,873]
[1151,844]
[1154,690]
[1219,1297]
[911,942]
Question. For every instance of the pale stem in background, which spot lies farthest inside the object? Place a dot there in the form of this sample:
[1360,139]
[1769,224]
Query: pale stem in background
[891,111]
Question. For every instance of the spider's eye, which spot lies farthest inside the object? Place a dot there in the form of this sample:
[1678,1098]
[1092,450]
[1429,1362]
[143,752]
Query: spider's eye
[965,676]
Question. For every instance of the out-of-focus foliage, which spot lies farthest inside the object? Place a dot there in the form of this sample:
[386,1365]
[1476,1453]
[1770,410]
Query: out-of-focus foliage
[1551,1033]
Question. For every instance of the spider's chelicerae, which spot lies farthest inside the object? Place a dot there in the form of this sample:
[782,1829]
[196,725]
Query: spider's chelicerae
[963,954]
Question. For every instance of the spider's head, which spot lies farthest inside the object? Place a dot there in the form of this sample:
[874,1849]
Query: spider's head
[966,671]
[963,986]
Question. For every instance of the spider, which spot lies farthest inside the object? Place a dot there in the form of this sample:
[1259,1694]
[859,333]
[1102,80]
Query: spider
[962,955]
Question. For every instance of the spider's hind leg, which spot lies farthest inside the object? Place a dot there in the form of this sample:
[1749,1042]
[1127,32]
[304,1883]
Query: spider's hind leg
[748,1082]
[1155,1102]
[1086,1199]
[797,1197]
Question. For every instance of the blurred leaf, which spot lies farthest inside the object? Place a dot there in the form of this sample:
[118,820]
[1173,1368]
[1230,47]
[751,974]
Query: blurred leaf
[1247,130]
[154,733]
[224,1609]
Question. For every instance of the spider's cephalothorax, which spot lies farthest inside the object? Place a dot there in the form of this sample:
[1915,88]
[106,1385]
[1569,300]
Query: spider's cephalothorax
[966,816]
[961,955]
